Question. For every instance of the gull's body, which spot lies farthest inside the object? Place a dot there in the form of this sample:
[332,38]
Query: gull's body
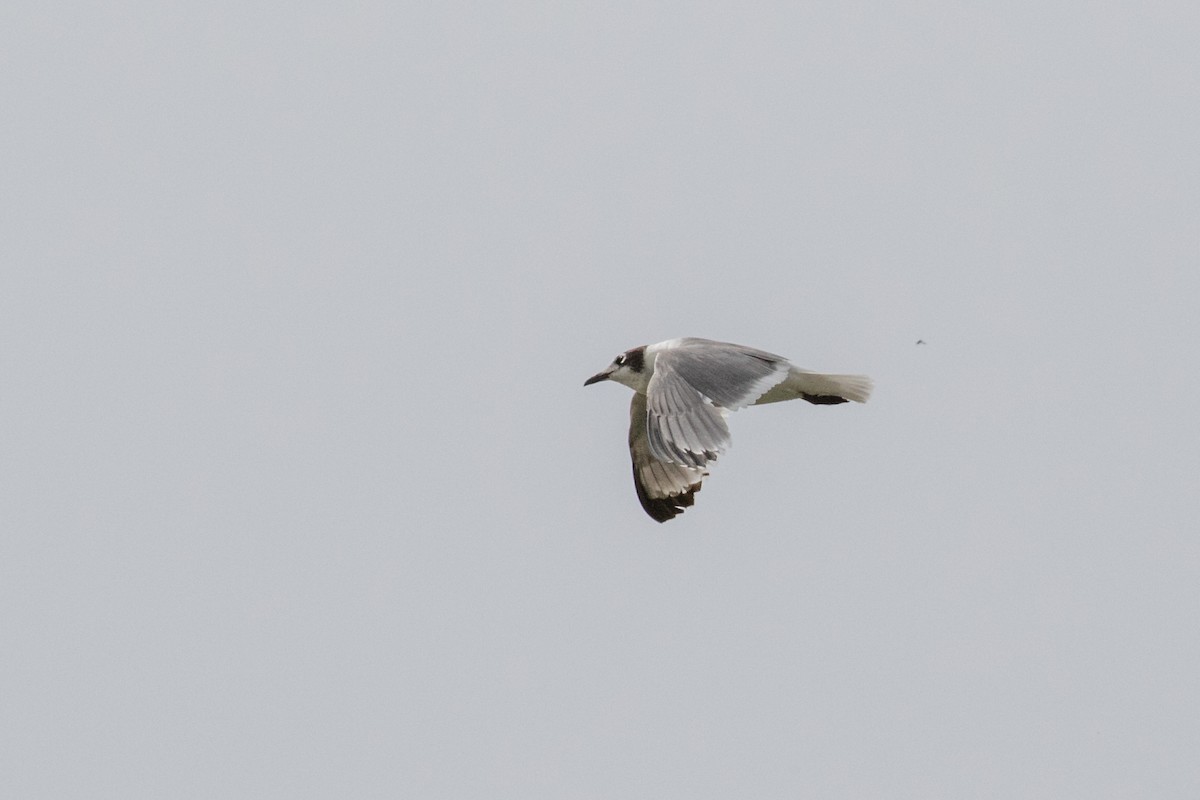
[683,388]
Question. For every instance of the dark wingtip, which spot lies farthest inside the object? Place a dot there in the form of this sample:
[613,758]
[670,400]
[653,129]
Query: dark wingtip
[662,509]
[824,399]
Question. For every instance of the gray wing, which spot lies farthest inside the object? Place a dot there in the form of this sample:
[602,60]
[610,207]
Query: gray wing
[682,425]
[692,383]
[664,489]
[730,375]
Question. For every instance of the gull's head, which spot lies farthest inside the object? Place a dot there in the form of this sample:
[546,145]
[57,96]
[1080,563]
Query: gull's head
[629,368]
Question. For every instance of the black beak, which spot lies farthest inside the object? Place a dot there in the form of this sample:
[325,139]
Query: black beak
[599,376]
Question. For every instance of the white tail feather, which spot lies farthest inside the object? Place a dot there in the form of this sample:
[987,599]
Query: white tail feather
[800,383]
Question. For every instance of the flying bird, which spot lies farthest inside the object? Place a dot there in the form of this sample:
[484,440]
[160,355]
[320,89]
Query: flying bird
[682,391]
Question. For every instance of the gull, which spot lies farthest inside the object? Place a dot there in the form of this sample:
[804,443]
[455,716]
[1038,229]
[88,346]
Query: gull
[682,391]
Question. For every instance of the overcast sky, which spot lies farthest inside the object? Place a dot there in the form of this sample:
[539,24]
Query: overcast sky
[302,495]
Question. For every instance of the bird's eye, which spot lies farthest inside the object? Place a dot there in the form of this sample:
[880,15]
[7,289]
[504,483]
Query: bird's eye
[619,359]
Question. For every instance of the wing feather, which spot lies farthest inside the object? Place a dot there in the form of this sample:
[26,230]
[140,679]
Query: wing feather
[664,489]
[730,375]
[684,426]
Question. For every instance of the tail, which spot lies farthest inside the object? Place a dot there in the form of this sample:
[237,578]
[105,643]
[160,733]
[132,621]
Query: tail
[819,389]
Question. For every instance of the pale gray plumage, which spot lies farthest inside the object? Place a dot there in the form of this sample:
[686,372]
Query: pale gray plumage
[684,425]
[682,390]
[729,375]
[661,484]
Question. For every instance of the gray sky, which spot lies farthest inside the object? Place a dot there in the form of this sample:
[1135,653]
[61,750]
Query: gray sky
[302,495]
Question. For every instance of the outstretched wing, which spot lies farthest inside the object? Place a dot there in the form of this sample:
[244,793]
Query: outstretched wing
[682,425]
[694,381]
[664,489]
[730,375]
